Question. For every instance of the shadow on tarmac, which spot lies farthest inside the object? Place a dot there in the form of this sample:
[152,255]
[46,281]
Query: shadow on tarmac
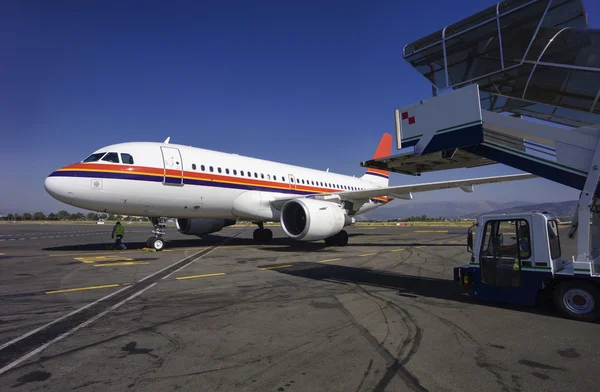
[281,244]
[406,285]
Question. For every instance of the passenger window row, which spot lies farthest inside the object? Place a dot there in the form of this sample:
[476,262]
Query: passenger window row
[263,176]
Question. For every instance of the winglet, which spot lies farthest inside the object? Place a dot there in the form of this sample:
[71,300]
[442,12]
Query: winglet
[167,140]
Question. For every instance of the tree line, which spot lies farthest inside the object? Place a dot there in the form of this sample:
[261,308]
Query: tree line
[67,216]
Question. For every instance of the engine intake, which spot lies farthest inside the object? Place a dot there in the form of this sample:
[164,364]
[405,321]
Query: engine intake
[311,220]
[200,227]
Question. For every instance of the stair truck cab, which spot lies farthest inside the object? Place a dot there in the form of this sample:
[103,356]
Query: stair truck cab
[517,258]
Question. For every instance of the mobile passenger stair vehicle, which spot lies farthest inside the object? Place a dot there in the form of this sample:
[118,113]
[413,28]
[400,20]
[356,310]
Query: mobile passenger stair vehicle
[518,84]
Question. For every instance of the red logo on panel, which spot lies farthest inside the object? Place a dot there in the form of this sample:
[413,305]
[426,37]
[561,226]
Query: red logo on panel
[411,120]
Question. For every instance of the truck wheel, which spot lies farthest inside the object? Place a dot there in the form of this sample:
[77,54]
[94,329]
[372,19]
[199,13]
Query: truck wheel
[578,300]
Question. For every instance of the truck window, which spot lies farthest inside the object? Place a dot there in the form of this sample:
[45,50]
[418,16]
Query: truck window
[505,244]
[553,239]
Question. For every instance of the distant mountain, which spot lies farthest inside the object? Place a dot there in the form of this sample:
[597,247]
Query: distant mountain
[465,209]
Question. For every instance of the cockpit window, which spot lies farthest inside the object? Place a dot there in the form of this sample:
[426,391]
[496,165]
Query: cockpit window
[128,159]
[111,157]
[94,157]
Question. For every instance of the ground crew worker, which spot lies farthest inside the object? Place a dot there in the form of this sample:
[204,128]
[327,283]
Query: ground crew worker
[119,232]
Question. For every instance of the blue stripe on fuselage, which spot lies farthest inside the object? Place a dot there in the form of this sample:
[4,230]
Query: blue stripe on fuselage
[187,181]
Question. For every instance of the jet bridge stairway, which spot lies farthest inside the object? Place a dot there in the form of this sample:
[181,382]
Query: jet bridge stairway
[453,131]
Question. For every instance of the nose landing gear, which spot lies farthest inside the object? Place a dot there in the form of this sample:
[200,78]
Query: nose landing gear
[157,243]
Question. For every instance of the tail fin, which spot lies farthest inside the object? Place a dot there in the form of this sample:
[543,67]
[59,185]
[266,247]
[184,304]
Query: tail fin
[378,176]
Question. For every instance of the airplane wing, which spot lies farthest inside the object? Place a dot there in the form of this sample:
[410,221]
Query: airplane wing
[401,191]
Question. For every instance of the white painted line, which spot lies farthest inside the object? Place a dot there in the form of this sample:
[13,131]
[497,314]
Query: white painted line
[207,253]
[95,302]
[64,335]
[61,318]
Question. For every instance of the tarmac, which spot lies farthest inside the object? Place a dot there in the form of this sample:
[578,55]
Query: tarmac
[223,313]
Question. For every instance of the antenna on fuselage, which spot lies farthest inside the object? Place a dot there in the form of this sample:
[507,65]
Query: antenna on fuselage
[167,140]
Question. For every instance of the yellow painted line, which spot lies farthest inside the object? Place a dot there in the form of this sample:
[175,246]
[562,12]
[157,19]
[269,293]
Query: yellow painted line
[397,250]
[121,263]
[200,276]
[275,267]
[328,260]
[106,286]
[94,253]
[431,231]
[419,246]
[368,254]
[94,259]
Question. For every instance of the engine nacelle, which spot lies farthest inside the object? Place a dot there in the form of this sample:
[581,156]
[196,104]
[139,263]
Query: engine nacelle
[200,227]
[310,220]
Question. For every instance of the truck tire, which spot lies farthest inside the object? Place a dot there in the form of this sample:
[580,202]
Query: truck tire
[578,300]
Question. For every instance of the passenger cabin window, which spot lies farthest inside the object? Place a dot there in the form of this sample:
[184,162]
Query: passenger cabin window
[211,169]
[193,166]
[94,157]
[262,175]
[112,157]
[126,159]
[226,171]
[219,169]
[255,175]
[241,172]
[234,172]
[202,167]
[283,178]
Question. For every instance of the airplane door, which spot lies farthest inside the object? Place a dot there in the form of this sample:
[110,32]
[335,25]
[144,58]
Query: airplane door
[173,166]
[292,181]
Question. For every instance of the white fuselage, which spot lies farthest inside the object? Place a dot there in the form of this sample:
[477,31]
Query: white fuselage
[185,182]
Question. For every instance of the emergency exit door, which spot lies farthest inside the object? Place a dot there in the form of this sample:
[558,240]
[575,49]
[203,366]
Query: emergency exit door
[173,174]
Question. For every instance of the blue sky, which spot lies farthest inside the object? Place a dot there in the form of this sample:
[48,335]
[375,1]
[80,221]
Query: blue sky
[307,83]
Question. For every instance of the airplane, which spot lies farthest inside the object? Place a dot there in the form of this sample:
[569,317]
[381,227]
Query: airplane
[206,190]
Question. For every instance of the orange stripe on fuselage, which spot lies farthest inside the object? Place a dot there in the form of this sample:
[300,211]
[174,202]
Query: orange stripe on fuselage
[152,171]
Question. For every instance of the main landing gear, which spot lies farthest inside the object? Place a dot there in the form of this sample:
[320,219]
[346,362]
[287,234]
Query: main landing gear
[261,234]
[156,242]
[340,239]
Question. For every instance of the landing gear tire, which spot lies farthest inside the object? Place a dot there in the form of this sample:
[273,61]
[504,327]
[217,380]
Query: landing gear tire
[157,244]
[262,235]
[149,242]
[340,239]
[578,300]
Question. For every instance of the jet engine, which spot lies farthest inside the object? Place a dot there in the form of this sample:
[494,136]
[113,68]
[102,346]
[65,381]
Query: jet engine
[310,220]
[200,227]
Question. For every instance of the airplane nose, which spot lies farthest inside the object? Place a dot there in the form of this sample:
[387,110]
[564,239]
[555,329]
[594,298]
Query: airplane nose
[60,188]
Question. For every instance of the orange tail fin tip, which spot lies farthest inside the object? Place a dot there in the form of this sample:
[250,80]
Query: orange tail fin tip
[383,150]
